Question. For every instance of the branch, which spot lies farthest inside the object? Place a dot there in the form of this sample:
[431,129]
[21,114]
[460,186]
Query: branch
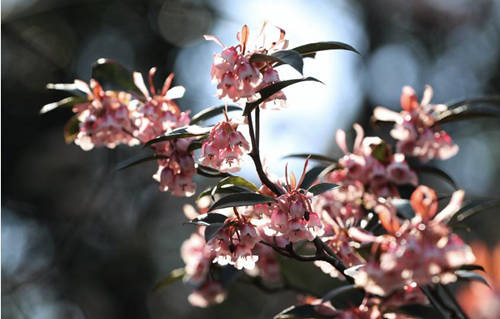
[254,154]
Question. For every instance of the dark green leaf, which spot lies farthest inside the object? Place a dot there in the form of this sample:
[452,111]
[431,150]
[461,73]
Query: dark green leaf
[300,311]
[467,110]
[419,311]
[225,190]
[212,230]
[66,102]
[436,172]
[471,267]
[243,199]
[139,159]
[472,209]
[330,168]
[72,88]
[311,176]
[196,144]
[381,152]
[181,132]
[321,188]
[272,89]
[471,276]
[71,129]
[290,57]
[111,74]
[338,291]
[488,100]
[210,172]
[237,181]
[317,157]
[175,275]
[213,111]
[208,219]
[403,207]
[309,50]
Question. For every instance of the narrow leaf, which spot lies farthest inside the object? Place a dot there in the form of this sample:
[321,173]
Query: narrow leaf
[472,267]
[66,102]
[243,199]
[71,129]
[338,291]
[473,209]
[175,275]
[272,89]
[225,190]
[436,172]
[299,311]
[468,109]
[321,188]
[212,230]
[311,176]
[213,111]
[237,181]
[139,159]
[181,132]
[403,207]
[471,276]
[317,157]
[111,74]
[290,57]
[308,50]
[208,219]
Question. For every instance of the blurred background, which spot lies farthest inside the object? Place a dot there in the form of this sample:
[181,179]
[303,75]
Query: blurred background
[80,240]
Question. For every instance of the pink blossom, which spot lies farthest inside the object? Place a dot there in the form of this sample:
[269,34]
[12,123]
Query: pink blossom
[416,129]
[224,147]
[419,251]
[292,216]
[209,293]
[104,119]
[234,243]
[239,79]
[267,266]
[197,256]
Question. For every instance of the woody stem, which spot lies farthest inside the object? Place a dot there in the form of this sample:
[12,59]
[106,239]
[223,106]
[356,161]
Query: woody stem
[255,155]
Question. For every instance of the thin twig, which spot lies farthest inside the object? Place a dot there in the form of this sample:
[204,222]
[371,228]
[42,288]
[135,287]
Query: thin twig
[254,154]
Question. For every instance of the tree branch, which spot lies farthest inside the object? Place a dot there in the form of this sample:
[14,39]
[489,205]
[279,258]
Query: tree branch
[254,154]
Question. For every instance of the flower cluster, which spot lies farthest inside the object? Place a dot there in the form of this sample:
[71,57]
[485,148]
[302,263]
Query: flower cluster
[345,218]
[419,251]
[224,147]
[105,119]
[238,77]
[372,164]
[416,129]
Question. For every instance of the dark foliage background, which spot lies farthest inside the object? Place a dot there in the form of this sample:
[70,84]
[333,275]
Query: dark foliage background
[80,240]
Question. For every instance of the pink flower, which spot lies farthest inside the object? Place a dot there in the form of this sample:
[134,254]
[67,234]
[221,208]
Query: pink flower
[415,252]
[237,78]
[209,293]
[197,256]
[416,129]
[224,147]
[292,216]
[233,244]
[267,266]
[104,119]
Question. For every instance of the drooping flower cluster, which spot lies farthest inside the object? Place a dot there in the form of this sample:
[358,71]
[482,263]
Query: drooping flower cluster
[111,118]
[372,164]
[238,77]
[234,243]
[247,227]
[292,216]
[224,147]
[419,251]
[105,119]
[416,128]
